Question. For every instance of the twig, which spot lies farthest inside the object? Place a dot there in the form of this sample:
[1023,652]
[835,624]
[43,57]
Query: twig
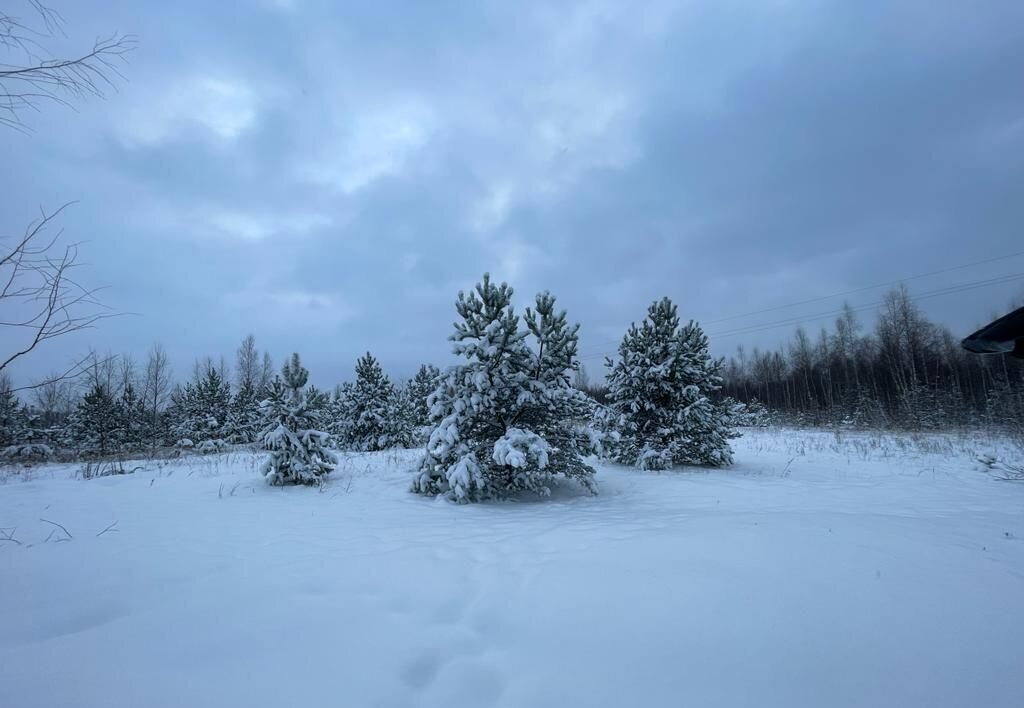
[47,521]
[8,535]
[109,528]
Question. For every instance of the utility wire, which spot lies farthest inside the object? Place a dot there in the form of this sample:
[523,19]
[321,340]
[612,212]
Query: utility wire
[949,290]
[853,291]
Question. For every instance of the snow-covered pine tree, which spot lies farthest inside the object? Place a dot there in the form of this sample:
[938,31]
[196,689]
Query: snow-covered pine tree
[213,407]
[318,401]
[371,408]
[758,415]
[414,397]
[181,414]
[403,432]
[97,422]
[201,409]
[134,422]
[502,419]
[12,419]
[244,414]
[338,421]
[661,388]
[299,453]
[558,411]
[422,385]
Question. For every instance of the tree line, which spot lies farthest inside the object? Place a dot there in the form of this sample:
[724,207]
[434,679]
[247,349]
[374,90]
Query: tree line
[905,372]
[119,407]
[509,417]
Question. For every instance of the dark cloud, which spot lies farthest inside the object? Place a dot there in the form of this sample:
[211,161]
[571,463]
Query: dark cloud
[329,176]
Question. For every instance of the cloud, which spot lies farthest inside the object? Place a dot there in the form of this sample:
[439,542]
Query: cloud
[288,308]
[375,142]
[354,165]
[218,109]
[249,226]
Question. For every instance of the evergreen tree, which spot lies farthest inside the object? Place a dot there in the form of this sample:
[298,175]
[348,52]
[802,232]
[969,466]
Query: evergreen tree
[422,385]
[213,406]
[202,408]
[502,420]
[661,388]
[12,418]
[339,415]
[182,414]
[299,453]
[372,408]
[97,421]
[134,422]
[403,432]
[244,414]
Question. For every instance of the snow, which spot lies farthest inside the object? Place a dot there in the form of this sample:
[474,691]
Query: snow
[819,570]
[516,448]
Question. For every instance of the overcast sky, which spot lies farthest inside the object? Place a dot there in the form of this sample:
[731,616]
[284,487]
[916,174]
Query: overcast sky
[327,175]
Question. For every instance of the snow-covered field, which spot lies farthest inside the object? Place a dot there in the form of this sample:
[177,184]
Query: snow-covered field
[818,571]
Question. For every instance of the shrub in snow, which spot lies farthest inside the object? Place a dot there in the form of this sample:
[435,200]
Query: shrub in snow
[185,444]
[503,420]
[299,453]
[32,452]
[210,446]
[92,470]
[757,415]
[660,391]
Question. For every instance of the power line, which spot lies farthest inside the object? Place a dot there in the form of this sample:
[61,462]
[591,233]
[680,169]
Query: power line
[822,298]
[948,290]
[871,305]
[888,283]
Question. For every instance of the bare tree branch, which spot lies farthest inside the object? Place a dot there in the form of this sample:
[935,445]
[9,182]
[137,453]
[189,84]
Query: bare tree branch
[81,366]
[61,526]
[40,299]
[110,529]
[41,77]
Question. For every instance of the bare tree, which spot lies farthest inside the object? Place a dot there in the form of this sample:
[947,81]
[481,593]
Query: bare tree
[223,369]
[247,364]
[266,372]
[126,373]
[55,398]
[34,75]
[40,296]
[156,388]
[101,372]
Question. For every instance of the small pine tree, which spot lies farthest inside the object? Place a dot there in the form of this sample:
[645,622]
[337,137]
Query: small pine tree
[758,415]
[201,410]
[661,388]
[403,431]
[134,421]
[372,408]
[422,385]
[299,453]
[97,421]
[244,414]
[213,407]
[501,419]
[339,415]
[12,419]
